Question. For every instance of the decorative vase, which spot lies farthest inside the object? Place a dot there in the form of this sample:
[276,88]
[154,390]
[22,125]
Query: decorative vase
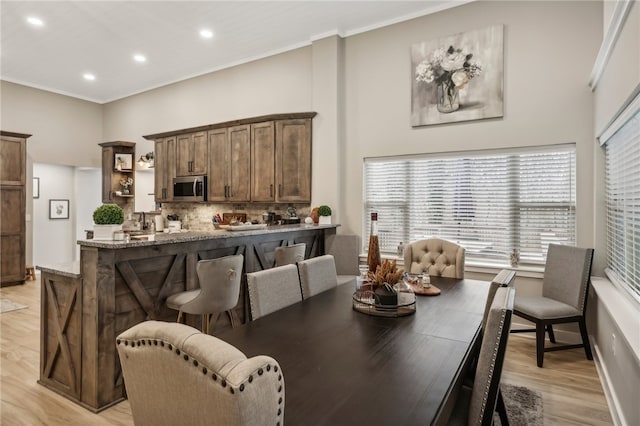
[314,215]
[125,191]
[448,97]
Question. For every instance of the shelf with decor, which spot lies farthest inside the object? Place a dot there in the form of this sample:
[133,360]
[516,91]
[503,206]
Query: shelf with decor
[117,172]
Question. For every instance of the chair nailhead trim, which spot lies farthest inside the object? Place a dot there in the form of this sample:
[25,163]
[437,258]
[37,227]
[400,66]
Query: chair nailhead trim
[275,368]
[177,351]
[126,343]
[232,391]
[118,341]
[170,347]
[268,367]
[195,363]
[260,371]
[279,377]
[224,383]
[186,357]
[204,370]
[280,400]
[250,378]
[280,388]
[279,411]
[241,387]
[214,377]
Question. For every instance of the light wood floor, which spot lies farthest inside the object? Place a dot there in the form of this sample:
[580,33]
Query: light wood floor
[569,383]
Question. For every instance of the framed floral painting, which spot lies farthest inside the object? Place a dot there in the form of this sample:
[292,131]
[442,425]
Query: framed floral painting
[458,77]
[58,209]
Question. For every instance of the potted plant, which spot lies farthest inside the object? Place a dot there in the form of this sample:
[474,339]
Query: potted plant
[324,215]
[107,219]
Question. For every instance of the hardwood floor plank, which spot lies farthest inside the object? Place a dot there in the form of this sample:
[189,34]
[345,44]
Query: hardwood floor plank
[569,384]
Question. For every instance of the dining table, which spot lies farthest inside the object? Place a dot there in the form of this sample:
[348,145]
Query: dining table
[344,367]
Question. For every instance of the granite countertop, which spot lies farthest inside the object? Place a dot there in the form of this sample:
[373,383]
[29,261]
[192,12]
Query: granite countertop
[181,237]
[70,269]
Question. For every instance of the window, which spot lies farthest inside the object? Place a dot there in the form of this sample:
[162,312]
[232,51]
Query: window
[622,192]
[489,202]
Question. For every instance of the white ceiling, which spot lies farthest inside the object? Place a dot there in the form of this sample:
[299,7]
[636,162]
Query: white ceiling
[101,37]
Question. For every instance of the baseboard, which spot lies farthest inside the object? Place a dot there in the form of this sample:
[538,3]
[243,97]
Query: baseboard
[617,416]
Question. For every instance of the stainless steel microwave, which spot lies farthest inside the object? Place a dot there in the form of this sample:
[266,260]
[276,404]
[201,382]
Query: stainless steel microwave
[190,188]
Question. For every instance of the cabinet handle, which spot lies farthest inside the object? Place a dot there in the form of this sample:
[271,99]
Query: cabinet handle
[226,191]
[279,190]
[271,190]
[230,192]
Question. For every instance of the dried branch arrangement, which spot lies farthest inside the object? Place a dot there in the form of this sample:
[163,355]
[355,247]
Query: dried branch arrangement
[385,273]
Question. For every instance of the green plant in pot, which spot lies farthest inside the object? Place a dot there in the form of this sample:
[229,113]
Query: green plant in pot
[107,219]
[324,213]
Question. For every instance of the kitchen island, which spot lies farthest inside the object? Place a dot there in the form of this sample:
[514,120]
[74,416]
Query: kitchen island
[120,284]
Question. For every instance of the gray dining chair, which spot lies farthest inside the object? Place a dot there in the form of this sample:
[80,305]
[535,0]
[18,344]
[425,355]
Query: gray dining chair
[436,257]
[175,375]
[504,278]
[565,288]
[219,281]
[273,289]
[317,274]
[286,255]
[345,249]
[476,404]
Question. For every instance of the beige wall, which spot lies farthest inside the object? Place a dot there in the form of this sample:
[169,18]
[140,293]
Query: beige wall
[65,130]
[547,100]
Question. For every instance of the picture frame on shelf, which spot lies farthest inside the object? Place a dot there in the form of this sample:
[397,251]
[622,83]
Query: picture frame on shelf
[36,187]
[123,162]
[58,209]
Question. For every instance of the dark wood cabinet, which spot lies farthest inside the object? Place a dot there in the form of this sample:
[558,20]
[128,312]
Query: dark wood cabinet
[164,168]
[13,163]
[293,160]
[118,165]
[191,154]
[263,156]
[259,159]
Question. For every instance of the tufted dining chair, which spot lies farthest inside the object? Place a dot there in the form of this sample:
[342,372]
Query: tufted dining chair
[436,257]
[176,375]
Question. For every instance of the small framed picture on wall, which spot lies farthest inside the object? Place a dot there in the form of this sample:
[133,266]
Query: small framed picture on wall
[58,209]
[36,187]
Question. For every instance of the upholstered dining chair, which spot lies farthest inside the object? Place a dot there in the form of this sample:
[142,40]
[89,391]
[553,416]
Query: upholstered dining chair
[219,290]
[286,255]
[504,278]
[565,287]
[273,289]
[176,375]
[476,404]
[317,274]
[436,257]
[345,249]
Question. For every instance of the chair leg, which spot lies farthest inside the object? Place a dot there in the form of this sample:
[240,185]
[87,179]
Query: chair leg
[540,343]
[502,410]
[552,337]
[232,318]
[585,338]
[179,316]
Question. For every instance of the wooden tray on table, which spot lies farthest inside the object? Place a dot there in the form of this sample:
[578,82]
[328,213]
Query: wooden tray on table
[432,290]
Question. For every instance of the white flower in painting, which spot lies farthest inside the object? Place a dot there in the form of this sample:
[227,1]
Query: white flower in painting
[424,72]
[449,67]
[459,79]
[453,61]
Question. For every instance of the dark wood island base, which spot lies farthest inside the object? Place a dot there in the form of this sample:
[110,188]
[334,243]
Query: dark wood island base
[122,284]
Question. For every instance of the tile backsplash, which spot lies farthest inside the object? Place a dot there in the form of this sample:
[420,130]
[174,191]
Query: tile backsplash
[197,216]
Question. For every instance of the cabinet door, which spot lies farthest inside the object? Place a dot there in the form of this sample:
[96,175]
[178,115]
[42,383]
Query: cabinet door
[164,170]
[12,233]
[183,155]
[218,165]
[108,195]
[263,155]
[198,154]
[293,160]
[239,187]
[12,161]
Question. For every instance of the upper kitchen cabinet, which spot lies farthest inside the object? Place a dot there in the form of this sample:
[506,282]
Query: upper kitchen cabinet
[259,159]
[230,164]
[191,153]
[118,163]
[263,156]
[164,168]
[293,160]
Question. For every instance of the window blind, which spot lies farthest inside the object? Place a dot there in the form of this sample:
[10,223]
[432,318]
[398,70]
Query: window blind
[622,188]
[489,202]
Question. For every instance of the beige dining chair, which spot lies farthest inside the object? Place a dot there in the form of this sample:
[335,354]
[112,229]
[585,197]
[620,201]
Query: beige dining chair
[476,404]
[345,249]
[273,289]
[286,255]
[219,281]
[317,274]
[565,287]
[176,375]
[436,257]
[504,278]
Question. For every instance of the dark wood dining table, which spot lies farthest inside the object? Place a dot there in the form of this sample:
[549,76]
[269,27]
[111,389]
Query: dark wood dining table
[343,367]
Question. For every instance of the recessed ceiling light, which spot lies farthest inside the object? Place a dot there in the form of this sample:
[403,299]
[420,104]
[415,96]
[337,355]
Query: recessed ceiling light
[36,22]
[139,58]
[89,76]
[206,33]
